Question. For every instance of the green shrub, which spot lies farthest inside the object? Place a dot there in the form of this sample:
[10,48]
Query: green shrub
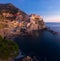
[1,38]
[8,49]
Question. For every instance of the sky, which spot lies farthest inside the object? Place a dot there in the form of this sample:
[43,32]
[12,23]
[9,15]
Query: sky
[48,9]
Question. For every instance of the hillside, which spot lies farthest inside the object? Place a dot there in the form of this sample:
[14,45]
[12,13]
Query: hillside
[15,21]
[11,9]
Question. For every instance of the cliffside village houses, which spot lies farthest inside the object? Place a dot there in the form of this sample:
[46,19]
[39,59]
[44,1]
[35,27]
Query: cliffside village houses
[32,22]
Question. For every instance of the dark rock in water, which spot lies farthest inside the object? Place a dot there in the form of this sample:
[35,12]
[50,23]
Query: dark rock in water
[51,31]
[28,58]
[43,45]
[36,38]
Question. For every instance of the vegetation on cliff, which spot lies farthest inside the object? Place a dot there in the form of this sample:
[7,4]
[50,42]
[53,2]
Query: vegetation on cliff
[10,8]
[8,49]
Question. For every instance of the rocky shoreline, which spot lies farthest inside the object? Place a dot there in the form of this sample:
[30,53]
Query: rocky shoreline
[21,25]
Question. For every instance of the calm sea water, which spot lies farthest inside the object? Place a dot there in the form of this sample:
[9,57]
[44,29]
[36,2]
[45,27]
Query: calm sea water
[46,45]
[54,26]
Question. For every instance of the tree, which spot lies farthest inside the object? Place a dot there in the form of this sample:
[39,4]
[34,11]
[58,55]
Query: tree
[8,49]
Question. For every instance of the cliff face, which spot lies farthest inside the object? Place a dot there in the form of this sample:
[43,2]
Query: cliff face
[13,20]
[36,22]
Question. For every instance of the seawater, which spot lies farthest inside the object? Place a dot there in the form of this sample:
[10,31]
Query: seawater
[46,45]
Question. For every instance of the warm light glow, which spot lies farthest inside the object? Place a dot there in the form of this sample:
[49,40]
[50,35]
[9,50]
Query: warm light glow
[52,18]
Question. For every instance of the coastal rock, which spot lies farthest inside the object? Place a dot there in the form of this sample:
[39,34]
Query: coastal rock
[36,22]
[18,22]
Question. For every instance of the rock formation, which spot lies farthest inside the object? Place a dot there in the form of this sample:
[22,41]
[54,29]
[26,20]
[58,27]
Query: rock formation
[15,20]
[36,22]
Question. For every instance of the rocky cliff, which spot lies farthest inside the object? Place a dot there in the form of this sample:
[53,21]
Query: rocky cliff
[15,21]
[36,22]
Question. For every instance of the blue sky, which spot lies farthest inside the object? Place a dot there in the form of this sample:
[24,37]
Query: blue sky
[48,9]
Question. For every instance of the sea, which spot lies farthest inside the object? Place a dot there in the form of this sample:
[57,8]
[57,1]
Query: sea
[46,46]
